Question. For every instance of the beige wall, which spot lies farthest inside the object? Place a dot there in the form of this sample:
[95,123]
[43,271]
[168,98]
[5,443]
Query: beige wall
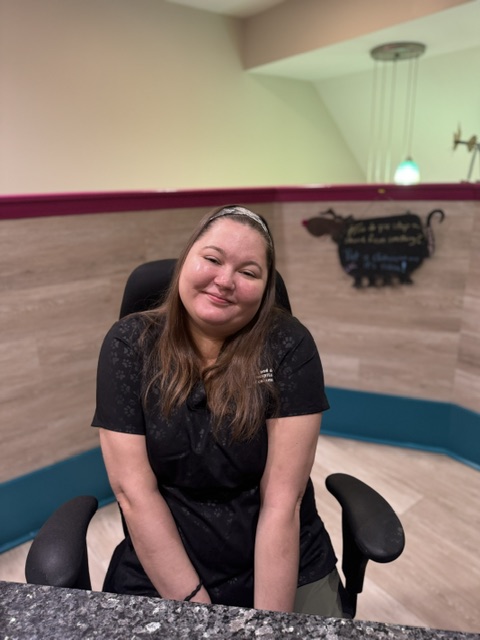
[143,94]
[329,42]
[62,280]
[307,25]
[122,94]
[448,97]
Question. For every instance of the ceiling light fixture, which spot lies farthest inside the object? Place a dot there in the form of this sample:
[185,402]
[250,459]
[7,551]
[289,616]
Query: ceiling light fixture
[384,101]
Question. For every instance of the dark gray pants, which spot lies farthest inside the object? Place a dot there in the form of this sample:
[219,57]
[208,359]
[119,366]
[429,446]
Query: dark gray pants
[321,598]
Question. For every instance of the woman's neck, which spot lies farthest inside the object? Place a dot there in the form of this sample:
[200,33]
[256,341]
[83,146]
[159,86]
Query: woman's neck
[208,347]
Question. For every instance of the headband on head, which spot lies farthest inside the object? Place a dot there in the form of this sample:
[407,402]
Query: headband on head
[241,211]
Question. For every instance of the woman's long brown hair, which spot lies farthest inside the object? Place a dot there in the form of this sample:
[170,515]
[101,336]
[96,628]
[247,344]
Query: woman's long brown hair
[236,390]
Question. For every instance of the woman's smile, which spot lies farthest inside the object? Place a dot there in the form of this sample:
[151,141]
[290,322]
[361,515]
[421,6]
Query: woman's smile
[216,299]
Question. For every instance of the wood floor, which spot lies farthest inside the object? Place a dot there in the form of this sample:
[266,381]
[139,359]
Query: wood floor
[435,583]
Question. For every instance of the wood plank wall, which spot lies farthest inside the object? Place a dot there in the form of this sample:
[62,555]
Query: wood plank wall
[421,340]
[62,278]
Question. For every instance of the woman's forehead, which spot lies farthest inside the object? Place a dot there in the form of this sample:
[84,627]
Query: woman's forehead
[228,229]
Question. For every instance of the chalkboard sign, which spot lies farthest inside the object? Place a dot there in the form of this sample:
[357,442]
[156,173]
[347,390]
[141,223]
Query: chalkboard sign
[380,251]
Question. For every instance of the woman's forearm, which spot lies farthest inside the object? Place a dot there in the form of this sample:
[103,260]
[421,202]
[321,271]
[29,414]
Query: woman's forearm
[151,525]
[159,547]
[277,559]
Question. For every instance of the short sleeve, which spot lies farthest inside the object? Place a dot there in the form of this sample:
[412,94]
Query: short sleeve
[298,371]
[119,381]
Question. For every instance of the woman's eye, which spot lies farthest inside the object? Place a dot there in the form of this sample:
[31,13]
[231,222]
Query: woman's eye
[212,259]
[250,274]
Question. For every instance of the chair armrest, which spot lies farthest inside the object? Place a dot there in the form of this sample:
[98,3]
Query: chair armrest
[58,554]
[371,531]
[375,527]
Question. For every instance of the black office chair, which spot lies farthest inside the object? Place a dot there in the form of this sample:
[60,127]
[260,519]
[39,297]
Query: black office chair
[371,529]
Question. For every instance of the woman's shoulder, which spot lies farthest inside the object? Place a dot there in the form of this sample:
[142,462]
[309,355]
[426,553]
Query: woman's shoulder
[285,325]
[288,334]
[131,328]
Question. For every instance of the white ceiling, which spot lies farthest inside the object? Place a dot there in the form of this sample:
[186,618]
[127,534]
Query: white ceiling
[454,29]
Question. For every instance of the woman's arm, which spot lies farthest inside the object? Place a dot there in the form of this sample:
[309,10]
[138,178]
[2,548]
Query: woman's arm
[291,451]
[151,525]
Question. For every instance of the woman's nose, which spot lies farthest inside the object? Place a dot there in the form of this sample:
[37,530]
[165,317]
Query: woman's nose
[225,279]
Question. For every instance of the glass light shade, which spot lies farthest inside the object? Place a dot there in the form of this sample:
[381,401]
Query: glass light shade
[407,173]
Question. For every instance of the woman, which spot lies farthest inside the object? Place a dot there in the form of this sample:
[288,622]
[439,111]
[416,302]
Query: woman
[209,409]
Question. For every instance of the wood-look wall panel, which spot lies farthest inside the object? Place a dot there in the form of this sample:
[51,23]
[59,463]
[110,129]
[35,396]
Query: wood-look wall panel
[467,387]
[62,279]
[385,364]
[17,375]
[338,367]
[467,374]
[66,249]
[61,288]
[403,339]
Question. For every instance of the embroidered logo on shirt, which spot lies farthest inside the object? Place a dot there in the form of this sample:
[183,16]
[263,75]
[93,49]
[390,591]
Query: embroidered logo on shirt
[265,375]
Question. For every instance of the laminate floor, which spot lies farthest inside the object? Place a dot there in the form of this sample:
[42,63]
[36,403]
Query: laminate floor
[435,583]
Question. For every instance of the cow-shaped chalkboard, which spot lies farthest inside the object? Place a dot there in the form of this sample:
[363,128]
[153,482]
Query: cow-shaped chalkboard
[380,251]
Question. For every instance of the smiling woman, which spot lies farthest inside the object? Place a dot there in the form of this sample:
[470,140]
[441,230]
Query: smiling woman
[208,457]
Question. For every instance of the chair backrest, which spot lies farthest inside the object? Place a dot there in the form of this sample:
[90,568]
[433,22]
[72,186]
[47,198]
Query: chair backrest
[148,285]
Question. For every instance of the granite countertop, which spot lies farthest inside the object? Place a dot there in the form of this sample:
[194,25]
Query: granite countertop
[31,612]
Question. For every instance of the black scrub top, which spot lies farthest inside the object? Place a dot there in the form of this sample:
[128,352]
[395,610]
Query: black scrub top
[211,485]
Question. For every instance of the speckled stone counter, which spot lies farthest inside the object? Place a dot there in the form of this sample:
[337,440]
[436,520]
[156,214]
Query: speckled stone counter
[29,612]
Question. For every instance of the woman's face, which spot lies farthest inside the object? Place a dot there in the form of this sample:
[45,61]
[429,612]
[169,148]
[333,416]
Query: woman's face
[223,278]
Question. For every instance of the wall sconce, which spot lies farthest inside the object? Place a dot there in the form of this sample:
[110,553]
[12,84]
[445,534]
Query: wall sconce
[384,101]
[472,144]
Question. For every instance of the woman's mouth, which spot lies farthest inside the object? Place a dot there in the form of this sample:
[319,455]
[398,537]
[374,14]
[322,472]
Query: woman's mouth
[216,299]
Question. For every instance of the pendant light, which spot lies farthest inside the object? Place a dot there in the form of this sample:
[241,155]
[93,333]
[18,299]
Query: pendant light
[407,172]
[383,117]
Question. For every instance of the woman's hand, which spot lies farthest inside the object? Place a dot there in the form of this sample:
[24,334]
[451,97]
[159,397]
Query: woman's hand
[291,452]
[150,523]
